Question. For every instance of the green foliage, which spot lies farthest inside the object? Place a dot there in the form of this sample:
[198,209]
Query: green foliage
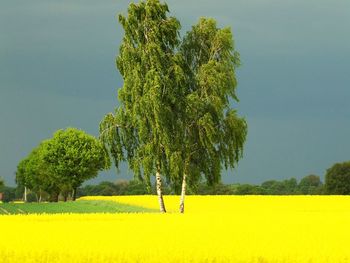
[310,184]
[102,189]
[72,156]
[213,135]
[32,173]
[175,115]
[133,187]
[1,182]
[215,189]
[32,197]
[61,164]
[248,189]
[141,131]
[9,193]
[338,179]
[273,187]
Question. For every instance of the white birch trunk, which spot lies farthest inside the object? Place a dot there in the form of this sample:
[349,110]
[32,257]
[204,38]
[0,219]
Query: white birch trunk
[183,193]
[159,192]
[25,194]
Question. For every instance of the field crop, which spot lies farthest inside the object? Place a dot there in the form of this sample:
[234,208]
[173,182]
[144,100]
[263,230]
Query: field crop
[256,229]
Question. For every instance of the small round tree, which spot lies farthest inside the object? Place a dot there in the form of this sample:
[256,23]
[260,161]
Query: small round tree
[338,179]
[72,156]
[310,184]
[32,174]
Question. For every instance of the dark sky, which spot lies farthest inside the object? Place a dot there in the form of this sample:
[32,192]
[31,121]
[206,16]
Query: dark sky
[57,69]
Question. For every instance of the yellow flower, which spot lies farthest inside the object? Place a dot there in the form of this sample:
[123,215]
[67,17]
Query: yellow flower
[255,229]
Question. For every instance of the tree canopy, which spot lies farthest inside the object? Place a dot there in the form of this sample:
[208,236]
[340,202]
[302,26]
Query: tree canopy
[310,184]
[213,134]
[72,156]
[175,116]
[142,129]
[32,173]
[62,163]
[338,179]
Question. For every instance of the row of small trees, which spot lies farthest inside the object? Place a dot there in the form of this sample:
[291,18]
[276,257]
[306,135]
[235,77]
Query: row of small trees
[175,120]
[61,164]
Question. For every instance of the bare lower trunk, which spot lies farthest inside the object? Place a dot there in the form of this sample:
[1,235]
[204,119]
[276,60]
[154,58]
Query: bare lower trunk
[74,195]
[159,192]
[183,193]
[25,194]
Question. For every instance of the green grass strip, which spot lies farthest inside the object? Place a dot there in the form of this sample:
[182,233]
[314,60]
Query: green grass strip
[80,206]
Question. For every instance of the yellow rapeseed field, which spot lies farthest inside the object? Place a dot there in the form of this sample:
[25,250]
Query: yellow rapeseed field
[216,229]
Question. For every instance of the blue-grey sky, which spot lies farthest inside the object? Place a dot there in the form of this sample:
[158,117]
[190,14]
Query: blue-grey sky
[57,69]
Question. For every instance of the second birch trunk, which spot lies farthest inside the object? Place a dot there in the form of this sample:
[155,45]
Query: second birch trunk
[159,192]
[183,194]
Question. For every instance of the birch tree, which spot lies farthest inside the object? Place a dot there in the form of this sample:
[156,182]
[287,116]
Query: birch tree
[213,133]
[142,129]
[175,116]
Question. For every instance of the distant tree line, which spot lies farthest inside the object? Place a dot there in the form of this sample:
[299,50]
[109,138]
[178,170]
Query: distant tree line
[121,187]
[309,185]
[337,182]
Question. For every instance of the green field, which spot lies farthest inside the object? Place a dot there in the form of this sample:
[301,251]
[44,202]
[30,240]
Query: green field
[80,206]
